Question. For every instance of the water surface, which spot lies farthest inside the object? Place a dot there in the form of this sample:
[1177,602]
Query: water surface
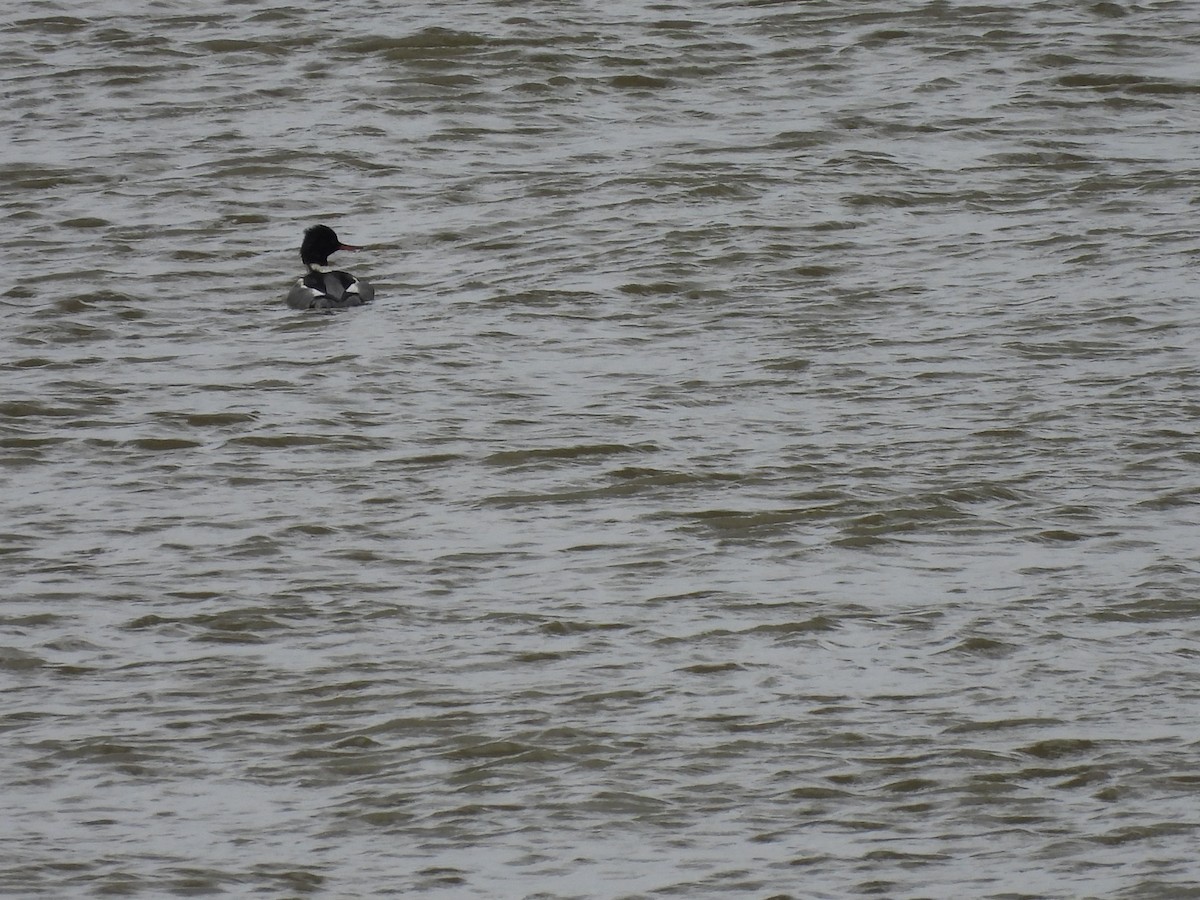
[769,469]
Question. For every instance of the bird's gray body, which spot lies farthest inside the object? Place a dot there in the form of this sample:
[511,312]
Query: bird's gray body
[329,290]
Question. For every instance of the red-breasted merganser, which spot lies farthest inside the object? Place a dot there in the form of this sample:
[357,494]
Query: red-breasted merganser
[325,287]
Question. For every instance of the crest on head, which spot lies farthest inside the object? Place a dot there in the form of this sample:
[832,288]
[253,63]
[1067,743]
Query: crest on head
[319,242]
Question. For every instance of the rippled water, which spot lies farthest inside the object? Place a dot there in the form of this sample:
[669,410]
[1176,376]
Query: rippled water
[769,468]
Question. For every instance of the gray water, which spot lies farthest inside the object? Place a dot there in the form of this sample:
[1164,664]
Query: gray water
[769,468]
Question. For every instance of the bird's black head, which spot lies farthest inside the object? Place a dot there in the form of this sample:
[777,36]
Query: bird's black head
[319,242]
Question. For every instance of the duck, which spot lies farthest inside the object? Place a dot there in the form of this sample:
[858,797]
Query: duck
[325,287]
